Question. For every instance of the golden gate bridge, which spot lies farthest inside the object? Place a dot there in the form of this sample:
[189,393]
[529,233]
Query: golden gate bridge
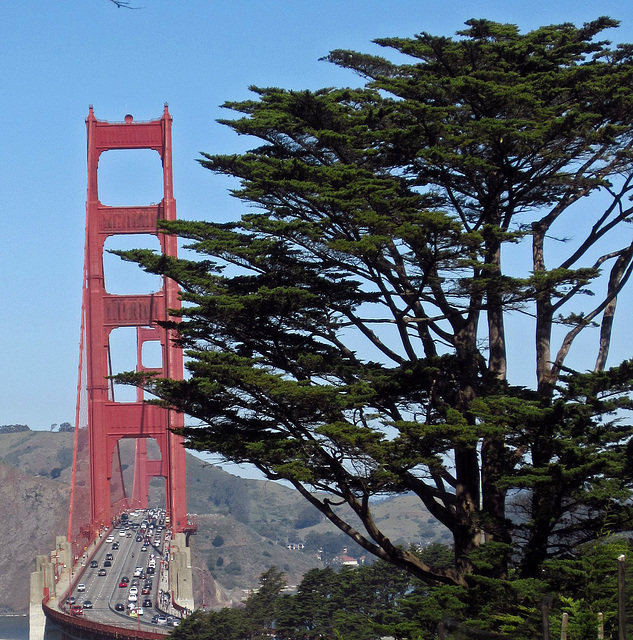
[99,495]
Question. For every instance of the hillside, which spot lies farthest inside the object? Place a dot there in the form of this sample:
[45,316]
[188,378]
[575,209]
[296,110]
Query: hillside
[244,526]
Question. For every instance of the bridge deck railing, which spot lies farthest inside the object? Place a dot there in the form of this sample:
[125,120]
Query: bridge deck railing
[65,620]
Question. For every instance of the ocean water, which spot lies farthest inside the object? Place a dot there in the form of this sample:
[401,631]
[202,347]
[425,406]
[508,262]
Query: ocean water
[14,627]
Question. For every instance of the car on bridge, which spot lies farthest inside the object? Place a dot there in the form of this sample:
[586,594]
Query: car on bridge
[77,610]
[101,572]
[119,606]
[87,604]
[81,587]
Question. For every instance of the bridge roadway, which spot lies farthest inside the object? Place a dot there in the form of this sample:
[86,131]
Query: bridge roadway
[131,556]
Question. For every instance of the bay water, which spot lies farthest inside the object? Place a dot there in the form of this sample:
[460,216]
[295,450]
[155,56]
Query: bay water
[15,627]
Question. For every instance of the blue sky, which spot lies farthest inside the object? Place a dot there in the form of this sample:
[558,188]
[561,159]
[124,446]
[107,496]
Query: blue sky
[60,56]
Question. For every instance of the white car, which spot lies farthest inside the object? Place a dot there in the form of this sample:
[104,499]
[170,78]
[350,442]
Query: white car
[132,597]
[81,587]
[122,533]
[110,539]
[134,590]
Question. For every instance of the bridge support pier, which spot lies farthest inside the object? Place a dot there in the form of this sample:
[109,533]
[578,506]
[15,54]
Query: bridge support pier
[180,573]
[42,584]
[52,578]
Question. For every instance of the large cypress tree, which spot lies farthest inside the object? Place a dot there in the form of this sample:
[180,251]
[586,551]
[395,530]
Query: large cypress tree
[348,334]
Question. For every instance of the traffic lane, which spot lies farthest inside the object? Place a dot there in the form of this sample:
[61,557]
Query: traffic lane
[134,558]
[104,591]
[98,588]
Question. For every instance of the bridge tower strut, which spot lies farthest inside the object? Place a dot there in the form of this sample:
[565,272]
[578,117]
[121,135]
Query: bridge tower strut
[110,421]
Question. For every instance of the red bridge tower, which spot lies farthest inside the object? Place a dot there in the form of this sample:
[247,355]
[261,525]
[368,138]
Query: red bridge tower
[109,421]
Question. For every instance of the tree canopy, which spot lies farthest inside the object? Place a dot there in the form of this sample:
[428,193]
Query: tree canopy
[374,601]
[348,333]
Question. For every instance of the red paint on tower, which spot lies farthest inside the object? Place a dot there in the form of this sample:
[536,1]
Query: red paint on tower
[109,421]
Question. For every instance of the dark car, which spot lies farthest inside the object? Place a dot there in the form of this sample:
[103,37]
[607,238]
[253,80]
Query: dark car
[107,563]
[101,572]
[87,604]
[125,579]
[150,571]
[145,591]
[139,538]
[70,600]
[94,564]
[147,603]
[119,606]
[109,556]
[115,546]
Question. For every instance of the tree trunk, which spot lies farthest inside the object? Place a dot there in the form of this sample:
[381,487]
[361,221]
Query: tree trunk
[493,451]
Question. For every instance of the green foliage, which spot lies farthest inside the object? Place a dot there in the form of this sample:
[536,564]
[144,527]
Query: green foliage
[253,622]
[218,541]
[226,624]
[307,517]
[347,334]
[328,543]
[379,600]
[65,457]
[582,622]
[437,555]
[13,428]
[233,568]
[260,607]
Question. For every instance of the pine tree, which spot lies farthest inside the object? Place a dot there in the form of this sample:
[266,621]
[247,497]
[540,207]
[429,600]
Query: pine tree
[349,336]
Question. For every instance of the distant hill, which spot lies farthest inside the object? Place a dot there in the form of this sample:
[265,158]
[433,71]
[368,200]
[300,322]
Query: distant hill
[244,526]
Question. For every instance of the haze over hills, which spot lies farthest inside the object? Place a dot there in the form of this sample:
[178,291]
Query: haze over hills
[244,526]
